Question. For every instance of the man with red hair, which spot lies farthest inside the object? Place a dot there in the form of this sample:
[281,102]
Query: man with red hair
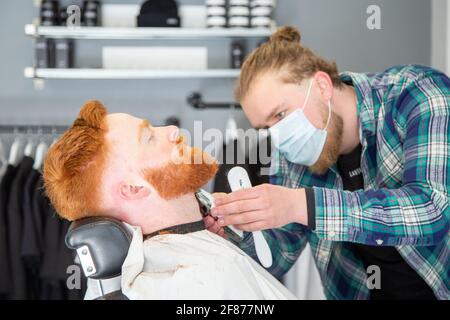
[119,166]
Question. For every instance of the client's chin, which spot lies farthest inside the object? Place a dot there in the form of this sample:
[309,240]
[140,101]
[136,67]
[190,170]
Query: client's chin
[178,178]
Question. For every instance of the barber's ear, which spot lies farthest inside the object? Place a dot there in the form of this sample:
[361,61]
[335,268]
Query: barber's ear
[325,84]
[132,192]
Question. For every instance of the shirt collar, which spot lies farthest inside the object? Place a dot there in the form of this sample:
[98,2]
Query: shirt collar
[364,101]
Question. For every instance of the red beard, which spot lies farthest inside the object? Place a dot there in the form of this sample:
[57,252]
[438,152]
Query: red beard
[183,177]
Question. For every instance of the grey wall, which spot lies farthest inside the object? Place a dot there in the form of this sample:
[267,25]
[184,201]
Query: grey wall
[335,29]
[439,26]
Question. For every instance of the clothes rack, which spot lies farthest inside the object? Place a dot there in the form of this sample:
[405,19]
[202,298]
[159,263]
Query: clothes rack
[32,129]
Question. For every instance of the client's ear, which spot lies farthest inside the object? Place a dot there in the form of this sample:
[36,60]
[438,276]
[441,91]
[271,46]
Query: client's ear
[132,192]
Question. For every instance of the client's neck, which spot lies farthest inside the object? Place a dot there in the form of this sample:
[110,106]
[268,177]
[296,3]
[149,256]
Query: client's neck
[182,210]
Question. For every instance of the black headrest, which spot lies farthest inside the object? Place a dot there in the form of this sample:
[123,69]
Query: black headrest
[108,241]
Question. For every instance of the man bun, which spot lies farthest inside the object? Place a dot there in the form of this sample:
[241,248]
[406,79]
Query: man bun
[289,34]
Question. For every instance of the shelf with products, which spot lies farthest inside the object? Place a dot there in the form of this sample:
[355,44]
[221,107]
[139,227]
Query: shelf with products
[142,33]
[54,43]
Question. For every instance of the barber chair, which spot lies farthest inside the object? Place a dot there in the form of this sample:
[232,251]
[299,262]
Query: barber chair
[101,245]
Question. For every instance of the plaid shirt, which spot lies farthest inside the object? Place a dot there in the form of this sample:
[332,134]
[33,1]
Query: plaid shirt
[404,117]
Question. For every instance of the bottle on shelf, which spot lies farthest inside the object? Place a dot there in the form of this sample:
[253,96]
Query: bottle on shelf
[237,55]
[49,13]
[91,13]
[44,55]
[64,53]
[63,16]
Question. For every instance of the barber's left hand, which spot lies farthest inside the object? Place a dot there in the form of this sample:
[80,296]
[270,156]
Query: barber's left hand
[262,207]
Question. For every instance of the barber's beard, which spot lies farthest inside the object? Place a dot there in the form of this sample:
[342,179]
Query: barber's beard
[186,174]
[330,152]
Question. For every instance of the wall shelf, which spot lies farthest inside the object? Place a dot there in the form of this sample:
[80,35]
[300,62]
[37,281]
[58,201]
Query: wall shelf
[141,33]
[85,73]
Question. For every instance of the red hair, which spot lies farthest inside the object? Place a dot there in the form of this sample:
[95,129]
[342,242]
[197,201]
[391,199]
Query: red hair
[74,165]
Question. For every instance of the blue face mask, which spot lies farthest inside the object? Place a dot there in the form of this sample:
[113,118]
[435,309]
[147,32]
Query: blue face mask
[297,138]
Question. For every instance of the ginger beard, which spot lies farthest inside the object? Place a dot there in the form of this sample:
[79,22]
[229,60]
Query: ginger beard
[183,174]
[330,152]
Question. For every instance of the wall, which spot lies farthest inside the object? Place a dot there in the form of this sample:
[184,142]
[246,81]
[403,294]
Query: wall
[439,33]
[335,29]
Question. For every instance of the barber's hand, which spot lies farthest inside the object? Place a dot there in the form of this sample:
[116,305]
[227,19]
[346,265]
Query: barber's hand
[263,207]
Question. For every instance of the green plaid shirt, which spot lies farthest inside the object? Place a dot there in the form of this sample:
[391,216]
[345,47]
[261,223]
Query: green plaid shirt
[404,116]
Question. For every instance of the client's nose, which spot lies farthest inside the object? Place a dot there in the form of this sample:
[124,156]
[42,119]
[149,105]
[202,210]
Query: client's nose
[173,133]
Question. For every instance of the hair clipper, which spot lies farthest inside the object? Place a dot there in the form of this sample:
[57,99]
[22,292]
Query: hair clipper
[206,202]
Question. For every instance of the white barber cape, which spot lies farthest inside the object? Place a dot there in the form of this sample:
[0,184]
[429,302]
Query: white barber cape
[198,265]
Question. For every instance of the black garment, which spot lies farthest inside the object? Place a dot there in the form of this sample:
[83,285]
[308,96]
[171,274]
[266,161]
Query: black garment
[349,167]
[233,154]
[51,286]
[31,239]
[311,207]
[31,247]
[39,205]
[56,257]
[19,291]
[33,255]
[5,272]
[261,153]
[398,279]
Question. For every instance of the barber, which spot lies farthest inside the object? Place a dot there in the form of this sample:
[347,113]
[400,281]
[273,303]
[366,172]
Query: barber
[361,171]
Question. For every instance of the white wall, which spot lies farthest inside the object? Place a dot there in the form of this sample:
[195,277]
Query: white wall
[440,53]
